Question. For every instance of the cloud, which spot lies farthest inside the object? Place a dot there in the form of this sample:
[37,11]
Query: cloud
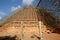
[15,8]
[27,2]
[0,18]
[2,14]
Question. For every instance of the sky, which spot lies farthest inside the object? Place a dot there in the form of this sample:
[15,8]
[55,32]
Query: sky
[8,6]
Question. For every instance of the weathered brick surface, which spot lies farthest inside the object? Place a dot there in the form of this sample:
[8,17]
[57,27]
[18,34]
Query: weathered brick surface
[29,19]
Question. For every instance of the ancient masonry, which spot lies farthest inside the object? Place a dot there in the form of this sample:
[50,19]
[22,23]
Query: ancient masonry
[25,19]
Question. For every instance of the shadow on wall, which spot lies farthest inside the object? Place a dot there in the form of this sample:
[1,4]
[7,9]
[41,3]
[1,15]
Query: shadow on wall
[50,20]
